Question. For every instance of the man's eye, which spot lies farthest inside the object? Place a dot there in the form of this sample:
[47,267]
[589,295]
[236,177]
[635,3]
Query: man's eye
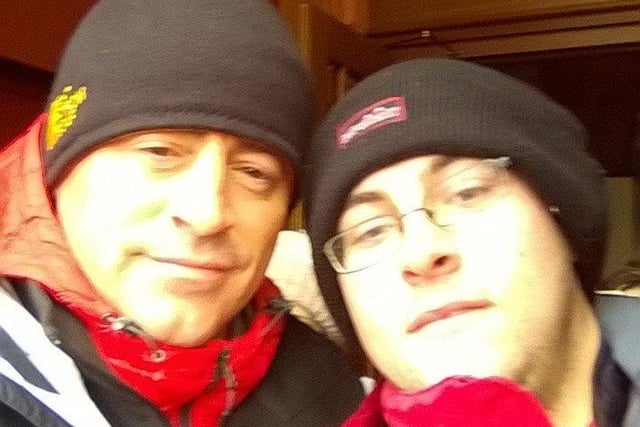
[372,234]
[162,157]
[255,173]
[470,194]
[255,179]
[160,151]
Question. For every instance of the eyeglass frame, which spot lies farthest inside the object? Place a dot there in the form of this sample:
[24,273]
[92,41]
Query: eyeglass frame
[502,163]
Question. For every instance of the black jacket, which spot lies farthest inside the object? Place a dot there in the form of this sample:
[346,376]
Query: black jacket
[309,382]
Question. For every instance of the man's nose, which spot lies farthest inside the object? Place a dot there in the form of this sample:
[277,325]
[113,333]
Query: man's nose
[199,199]
[428,252]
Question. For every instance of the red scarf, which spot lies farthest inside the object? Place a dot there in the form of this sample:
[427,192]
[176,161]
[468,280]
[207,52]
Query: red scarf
[215,377]
[454,402]
[30,231]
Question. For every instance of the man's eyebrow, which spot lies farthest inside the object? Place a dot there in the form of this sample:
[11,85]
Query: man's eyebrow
[249,145]
[362,198]
[439,163]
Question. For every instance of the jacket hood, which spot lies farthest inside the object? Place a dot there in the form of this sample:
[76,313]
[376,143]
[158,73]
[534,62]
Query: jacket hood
[29,229]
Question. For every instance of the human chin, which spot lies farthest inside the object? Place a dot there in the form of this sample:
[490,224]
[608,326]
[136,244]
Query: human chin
[413,372]
[160,304]
[422,361]
[178,321]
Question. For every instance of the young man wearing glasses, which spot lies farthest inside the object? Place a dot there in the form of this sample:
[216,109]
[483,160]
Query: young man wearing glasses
[458,226]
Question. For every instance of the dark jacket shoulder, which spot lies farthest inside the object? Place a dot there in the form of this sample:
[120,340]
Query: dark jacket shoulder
[310,383]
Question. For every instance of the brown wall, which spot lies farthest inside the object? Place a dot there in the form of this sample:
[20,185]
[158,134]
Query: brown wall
[23,92]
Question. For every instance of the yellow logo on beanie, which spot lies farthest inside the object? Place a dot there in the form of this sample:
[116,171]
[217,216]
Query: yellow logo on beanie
[62,113]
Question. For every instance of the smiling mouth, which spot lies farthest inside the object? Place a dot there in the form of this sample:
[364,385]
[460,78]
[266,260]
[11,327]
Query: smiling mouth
[196,265]
[445,312]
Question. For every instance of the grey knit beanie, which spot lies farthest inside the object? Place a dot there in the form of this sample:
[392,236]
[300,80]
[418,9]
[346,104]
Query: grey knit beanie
[210,64]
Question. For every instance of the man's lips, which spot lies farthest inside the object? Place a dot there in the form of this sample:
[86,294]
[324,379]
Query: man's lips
[195,264]
[446,311]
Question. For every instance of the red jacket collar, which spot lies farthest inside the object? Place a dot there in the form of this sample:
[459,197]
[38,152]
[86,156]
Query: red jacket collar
[29,229]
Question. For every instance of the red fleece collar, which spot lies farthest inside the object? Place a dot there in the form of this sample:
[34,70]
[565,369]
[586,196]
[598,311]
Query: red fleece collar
[32,245]
[213,378]
[455,402]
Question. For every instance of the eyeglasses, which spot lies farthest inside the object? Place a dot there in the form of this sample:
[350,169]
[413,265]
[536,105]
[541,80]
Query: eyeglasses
[450,201]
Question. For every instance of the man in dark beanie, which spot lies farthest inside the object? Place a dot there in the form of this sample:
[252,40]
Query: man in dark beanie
[458,226]
[138,217]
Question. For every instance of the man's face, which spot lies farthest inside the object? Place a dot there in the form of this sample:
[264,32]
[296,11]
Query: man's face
[175,228]
[486,295]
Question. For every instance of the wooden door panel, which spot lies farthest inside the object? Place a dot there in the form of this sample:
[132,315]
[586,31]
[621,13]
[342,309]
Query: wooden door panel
[388,16]
[337,57]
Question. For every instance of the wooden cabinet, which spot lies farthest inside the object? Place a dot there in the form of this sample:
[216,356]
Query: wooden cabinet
[392,16]
[583,53]
[400,30]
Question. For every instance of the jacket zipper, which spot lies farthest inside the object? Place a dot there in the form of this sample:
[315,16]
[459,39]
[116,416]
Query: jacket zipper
[128,326]
[277,305]
[223,372]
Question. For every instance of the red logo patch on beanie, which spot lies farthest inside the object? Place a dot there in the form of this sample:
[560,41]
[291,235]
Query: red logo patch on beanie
[384,112]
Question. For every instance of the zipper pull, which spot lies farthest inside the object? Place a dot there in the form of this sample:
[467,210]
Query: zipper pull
[224,371]
[124,324]
[279,307]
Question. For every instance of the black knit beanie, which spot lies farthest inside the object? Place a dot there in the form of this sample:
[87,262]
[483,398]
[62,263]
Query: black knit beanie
[133,65]
[450,107]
